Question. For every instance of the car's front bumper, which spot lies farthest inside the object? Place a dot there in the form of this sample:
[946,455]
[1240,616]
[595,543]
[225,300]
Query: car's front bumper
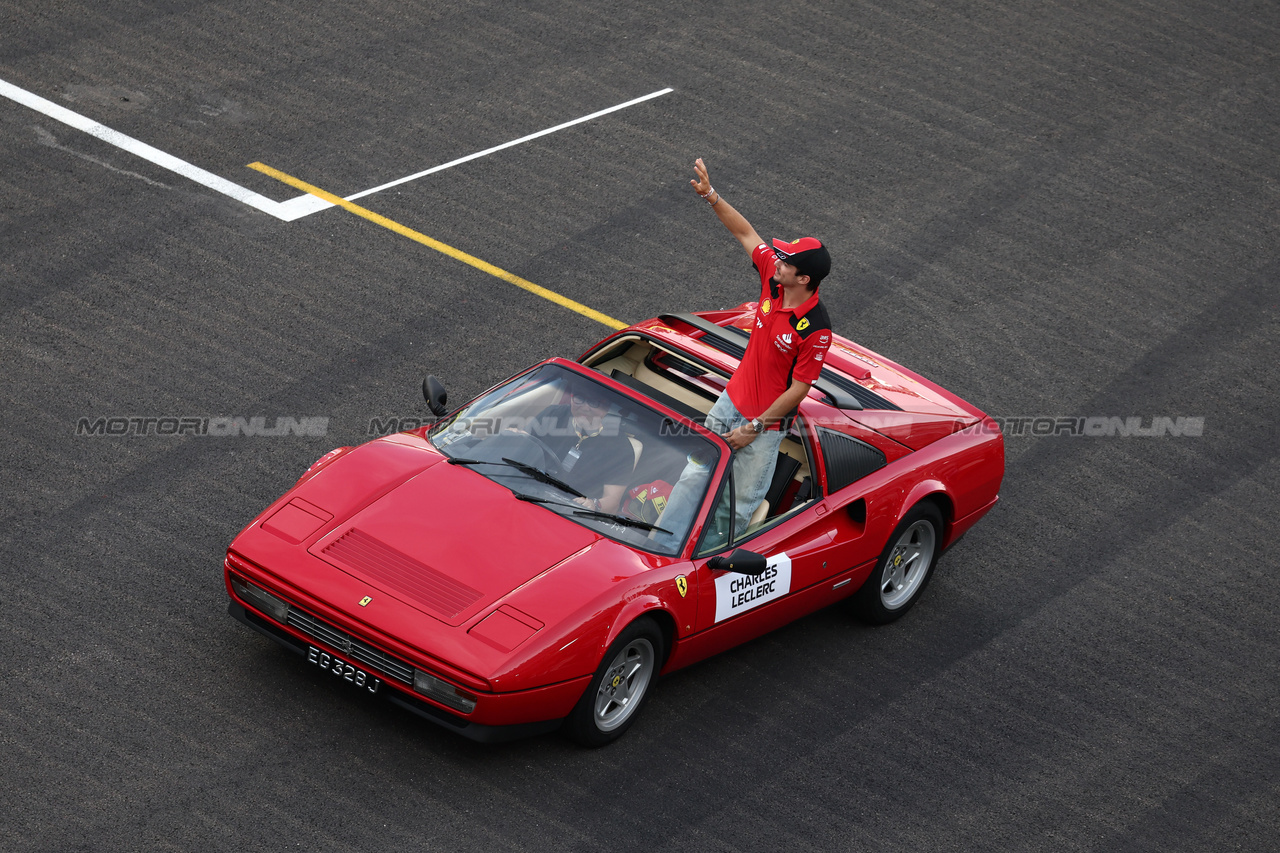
[557,699]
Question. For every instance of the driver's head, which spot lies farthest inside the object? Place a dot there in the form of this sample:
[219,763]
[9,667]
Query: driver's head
[587,396]
[588,403]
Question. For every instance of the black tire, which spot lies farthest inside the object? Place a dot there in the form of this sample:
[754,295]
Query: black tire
[629,669]
[904,567]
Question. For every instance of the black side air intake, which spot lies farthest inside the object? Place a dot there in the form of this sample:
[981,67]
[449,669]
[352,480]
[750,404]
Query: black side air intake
[848,459]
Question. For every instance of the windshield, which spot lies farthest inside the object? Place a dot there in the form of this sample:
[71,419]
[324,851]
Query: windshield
[585,452]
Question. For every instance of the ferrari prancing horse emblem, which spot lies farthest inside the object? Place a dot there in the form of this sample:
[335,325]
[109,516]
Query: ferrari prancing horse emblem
[682,585]
[364,602]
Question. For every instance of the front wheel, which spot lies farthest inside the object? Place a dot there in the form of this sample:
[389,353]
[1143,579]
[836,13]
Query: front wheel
[614,697]
[903,569]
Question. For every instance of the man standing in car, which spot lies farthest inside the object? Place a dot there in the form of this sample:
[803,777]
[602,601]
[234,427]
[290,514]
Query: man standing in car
[788,343]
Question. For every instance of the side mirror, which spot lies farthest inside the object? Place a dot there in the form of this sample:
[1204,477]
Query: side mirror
[435,395]
[741,561]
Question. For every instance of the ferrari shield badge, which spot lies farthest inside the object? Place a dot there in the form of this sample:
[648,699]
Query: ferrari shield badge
[364,602]
[682,585]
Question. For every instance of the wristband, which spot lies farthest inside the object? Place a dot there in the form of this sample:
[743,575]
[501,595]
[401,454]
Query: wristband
[707,196]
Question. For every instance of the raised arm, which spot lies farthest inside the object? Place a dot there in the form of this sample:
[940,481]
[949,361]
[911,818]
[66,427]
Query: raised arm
[733,220]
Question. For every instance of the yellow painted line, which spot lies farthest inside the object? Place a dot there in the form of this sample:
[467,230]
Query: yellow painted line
[456,254]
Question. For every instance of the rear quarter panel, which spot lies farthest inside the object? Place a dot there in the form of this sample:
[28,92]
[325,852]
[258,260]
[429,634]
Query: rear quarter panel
[965,469]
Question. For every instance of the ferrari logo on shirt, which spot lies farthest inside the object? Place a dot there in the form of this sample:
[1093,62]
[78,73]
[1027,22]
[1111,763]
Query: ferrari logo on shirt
[802,325]
[682,585]
[766,306]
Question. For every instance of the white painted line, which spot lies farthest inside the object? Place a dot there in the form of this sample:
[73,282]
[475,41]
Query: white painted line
[513,142]
[141,149]
[303,205]
[288,211]
[308,204]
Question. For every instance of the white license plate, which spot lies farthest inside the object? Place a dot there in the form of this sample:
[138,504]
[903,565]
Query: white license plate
[342,669]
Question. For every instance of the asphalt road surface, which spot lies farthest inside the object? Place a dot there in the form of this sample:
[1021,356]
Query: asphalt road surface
[1059,210]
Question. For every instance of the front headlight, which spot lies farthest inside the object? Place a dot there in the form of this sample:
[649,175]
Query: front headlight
[443,692]
[276,608]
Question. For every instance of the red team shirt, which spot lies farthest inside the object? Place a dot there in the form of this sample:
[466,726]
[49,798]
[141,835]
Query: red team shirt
[786,344]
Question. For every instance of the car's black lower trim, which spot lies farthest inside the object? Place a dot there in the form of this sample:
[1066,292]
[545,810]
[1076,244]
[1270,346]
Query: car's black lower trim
[469,730]
[439,716]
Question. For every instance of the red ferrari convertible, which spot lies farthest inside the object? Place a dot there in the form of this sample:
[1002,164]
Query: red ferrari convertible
[474,572]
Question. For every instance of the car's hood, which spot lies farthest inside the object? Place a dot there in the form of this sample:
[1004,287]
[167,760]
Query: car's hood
[450,543]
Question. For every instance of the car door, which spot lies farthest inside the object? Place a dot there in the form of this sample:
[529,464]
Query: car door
[797,553]
[813,557]
[796,545]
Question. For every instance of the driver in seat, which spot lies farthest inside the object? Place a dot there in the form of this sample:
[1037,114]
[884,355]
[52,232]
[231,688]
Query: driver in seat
[596,458]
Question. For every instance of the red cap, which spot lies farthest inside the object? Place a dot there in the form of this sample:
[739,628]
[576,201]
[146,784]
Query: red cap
[795,247]
[807,255]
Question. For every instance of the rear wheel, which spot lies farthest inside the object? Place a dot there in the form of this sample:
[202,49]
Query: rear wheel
[904,567]
[620,686]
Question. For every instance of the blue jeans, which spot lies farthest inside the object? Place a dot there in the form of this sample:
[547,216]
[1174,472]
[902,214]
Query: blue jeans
[752,472]
[752,465]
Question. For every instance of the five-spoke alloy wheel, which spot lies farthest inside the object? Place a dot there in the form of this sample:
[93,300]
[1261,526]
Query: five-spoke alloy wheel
[904,567]
[620,686]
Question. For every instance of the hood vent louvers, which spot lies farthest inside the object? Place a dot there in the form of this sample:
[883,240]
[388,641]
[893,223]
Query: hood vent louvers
[400,574]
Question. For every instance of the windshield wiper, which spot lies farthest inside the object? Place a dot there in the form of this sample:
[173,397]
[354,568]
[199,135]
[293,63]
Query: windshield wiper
[525,468]
[594,513]
[620,519]
[533,499]
[542,476]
